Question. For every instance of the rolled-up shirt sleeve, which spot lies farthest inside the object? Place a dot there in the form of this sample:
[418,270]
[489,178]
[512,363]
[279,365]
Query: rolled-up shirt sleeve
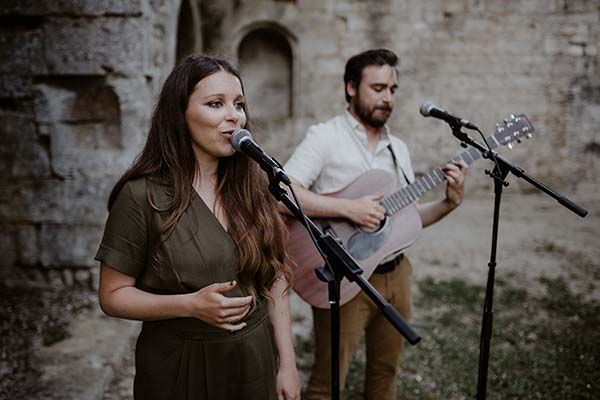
[125,240]
[308,159]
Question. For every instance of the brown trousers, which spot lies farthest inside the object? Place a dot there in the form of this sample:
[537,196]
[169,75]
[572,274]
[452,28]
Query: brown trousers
[383,342]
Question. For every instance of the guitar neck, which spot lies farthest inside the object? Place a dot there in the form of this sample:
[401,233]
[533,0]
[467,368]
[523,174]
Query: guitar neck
[411,193]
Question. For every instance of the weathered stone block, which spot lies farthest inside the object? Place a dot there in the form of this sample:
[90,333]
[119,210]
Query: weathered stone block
[21,152]
[68,245]
[576,6]
[575,50]
[453,7]
[591,51]
[54,201]
[8,247]
[75,99]
[28,246]
[21,53]
[55,279]
[78,114]
[67,277]
[71,7]
[35,277]
[94,281]
[15,86]
[82,276]
[85,121]
[94,47]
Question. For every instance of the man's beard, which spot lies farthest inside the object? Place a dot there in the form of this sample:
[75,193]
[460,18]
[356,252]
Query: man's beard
[367,115]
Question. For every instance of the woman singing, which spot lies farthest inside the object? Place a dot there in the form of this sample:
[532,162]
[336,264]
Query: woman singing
[194,247]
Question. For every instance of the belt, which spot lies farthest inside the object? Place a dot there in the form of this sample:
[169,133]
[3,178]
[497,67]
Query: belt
[388,266]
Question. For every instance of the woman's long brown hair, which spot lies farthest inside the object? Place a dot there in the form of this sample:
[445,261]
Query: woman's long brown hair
[168,159]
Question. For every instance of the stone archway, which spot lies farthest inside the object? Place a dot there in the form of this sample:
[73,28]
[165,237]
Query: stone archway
[266,55]
[189,32]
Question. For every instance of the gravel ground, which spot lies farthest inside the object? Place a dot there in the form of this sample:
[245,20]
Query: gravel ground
[34,319]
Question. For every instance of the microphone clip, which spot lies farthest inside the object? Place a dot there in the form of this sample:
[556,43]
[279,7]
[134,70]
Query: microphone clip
[277,174]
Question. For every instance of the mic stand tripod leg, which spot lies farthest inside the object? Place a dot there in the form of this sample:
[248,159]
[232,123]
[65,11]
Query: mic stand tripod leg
[333,284]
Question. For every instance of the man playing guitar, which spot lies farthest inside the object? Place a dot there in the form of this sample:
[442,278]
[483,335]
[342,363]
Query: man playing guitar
[333,155]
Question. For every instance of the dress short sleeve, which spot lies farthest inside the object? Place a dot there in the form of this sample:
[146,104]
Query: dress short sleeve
[125,240]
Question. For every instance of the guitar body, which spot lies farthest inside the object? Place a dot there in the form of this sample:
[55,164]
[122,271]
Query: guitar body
[396,233]
[399,230]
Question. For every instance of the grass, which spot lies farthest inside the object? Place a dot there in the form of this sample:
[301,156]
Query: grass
[544,347]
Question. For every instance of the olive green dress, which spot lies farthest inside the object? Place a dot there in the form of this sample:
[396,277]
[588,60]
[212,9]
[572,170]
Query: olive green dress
[186,358]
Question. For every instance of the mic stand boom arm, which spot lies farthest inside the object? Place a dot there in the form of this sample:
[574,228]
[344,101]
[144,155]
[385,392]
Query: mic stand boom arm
[517,171]
[499,173]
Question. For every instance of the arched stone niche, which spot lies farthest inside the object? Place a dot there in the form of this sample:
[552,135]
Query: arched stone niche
[189,30]
[81,117]
[266,54]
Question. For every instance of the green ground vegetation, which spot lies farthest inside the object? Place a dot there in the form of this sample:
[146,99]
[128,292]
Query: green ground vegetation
[544,347]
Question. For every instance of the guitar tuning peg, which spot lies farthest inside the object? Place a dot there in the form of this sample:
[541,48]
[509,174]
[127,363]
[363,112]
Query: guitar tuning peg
[529,136]
[512,116]
[510,145]
[505,120]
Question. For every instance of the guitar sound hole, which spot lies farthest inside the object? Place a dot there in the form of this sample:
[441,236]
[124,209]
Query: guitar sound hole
[363,244]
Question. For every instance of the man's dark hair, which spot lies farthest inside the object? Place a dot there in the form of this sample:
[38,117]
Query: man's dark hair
[356,64]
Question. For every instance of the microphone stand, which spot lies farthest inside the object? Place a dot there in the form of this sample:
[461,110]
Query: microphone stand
[498,174]
[338,265]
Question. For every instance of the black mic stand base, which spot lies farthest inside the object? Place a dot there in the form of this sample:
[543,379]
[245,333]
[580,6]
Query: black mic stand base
[499,173]
[333,284]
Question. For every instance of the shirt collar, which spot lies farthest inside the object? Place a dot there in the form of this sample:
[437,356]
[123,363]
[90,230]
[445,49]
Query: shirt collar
[359,130]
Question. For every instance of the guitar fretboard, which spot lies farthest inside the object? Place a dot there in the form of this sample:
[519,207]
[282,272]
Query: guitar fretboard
[409,194]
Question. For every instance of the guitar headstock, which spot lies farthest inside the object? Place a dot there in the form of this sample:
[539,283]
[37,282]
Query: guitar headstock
[511,129]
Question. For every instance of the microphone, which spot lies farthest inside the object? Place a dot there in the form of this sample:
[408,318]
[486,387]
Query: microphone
[428,109]
[242,141]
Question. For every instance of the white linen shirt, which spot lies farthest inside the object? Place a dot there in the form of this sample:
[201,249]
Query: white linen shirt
[335,153]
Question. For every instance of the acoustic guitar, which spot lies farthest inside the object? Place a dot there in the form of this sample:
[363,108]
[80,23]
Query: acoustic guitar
[399,229]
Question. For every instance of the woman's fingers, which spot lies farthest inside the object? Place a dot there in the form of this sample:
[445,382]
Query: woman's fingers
[233,327]
[235,302]
[234,315]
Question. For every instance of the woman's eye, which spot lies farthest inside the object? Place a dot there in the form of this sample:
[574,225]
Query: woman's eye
[240,105]
[215,104]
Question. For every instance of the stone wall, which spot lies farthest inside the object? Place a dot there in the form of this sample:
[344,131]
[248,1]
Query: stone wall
[77,83]
[79,78]
[483,59]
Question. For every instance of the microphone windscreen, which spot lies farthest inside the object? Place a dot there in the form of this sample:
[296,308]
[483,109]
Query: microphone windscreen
[426,108]
[238,136]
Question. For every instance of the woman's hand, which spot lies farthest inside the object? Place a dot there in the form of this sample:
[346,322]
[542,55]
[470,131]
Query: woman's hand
[288,383]
[210,305]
